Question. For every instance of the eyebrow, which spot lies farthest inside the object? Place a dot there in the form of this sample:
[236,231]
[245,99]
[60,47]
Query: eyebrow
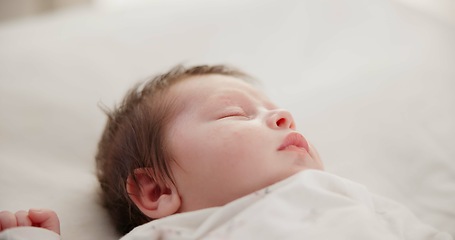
[224,100]
[236,97]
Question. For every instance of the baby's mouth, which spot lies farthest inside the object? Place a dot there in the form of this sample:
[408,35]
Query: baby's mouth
[294,141]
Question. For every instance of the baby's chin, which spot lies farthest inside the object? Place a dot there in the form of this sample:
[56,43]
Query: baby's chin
[300,169]
[306,168]
[314,160]
[295,170]
[308,160]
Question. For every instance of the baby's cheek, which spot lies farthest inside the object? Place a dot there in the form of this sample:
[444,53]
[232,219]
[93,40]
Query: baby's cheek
[237,140]
[241,135]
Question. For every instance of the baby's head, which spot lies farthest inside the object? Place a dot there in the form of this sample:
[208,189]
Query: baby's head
[194,138]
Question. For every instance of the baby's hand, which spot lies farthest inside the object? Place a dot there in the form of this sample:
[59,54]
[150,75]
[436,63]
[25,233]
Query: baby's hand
[42,218]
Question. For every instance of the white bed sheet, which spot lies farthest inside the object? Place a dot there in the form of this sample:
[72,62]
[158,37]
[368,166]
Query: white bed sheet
[326,206]
[370,83]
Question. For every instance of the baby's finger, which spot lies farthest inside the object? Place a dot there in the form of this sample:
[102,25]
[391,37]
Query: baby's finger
[45,218]
[22,218]
[7,220]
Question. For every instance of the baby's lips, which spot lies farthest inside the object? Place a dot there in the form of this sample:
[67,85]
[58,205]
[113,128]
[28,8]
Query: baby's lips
[295,139]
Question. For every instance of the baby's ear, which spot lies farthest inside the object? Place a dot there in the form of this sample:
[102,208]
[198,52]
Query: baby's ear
[153,199]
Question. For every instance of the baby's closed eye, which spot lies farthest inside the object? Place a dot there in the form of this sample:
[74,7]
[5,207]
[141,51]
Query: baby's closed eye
[233,112]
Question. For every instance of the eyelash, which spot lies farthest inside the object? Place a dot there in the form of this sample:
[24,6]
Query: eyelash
[234,114]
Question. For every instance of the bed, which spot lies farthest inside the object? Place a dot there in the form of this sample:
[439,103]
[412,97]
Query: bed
[370,83]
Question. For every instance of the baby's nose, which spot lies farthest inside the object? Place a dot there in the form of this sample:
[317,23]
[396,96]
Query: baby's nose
[281,118]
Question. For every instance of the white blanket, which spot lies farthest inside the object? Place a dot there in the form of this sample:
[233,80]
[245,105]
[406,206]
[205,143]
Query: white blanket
[28,233]
[310,205]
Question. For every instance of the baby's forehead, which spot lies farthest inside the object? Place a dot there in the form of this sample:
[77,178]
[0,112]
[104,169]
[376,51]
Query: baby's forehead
[235,95]
[218,82]
[199,91]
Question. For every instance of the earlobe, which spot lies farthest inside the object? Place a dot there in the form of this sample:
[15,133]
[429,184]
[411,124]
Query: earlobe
[153,199]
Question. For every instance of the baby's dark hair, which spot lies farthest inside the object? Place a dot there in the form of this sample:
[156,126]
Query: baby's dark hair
[134,137]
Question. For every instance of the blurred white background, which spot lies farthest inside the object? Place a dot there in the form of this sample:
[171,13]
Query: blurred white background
[369,82]
[16,9]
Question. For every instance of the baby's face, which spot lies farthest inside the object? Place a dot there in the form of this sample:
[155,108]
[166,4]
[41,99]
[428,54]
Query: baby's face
[230,140]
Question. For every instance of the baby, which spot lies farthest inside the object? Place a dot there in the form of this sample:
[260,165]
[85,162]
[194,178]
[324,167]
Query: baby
[210,156]
[191,139]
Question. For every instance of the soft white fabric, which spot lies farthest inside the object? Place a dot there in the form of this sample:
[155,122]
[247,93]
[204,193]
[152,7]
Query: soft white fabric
[369,82]
[309,205]
[28,233]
